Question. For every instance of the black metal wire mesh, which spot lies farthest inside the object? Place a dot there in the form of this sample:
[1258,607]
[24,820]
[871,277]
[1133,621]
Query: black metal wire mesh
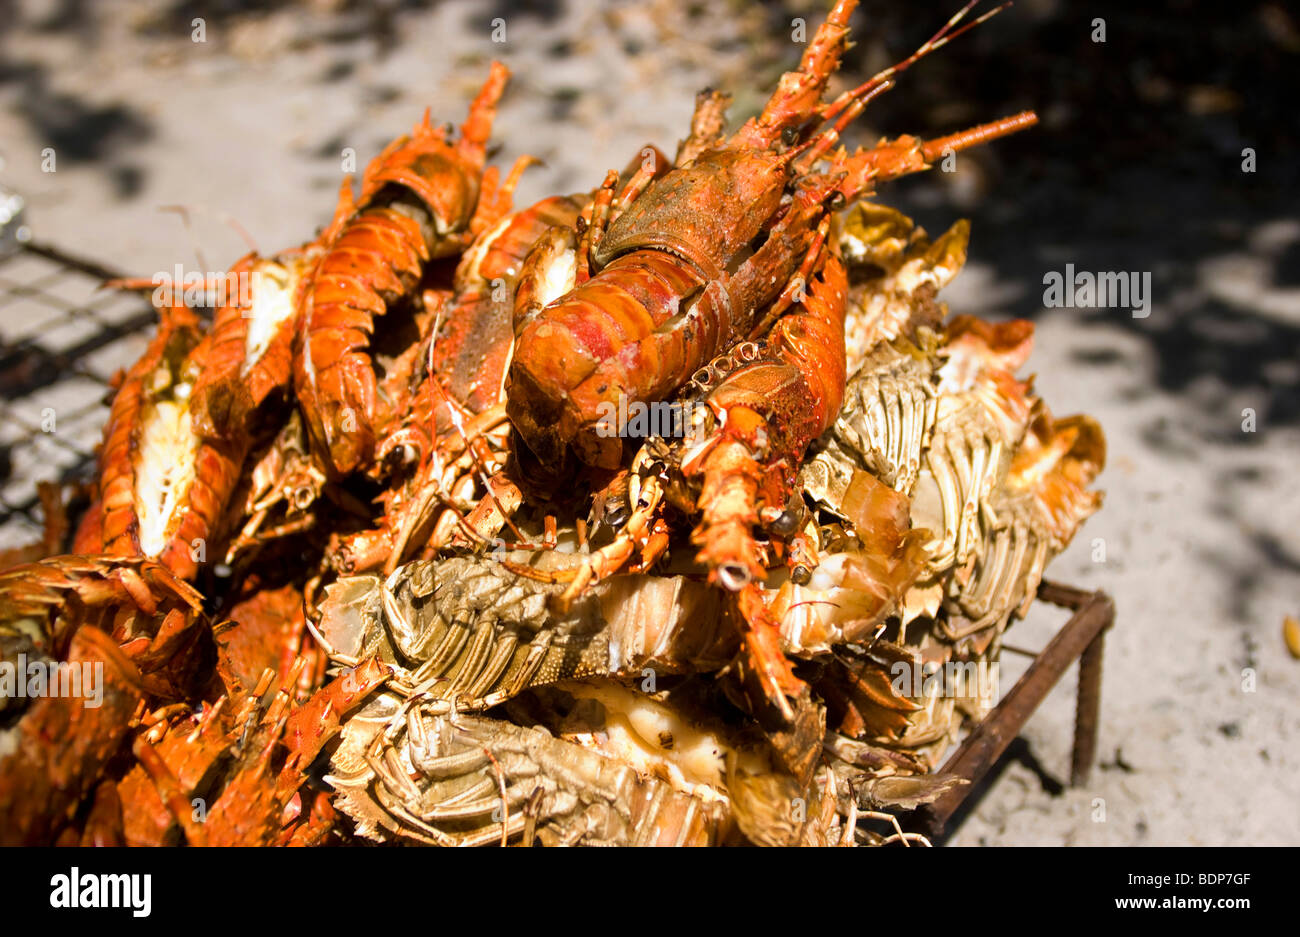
[62,338]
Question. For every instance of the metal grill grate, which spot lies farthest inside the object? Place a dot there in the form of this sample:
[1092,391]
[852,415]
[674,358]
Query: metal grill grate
[62,338]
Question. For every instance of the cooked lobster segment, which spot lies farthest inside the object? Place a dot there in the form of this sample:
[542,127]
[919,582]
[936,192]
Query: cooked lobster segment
[246,759]
[85,640]
[453,427]
[618,767]
[189,412]
[162,486]
[247,356]
[895,273]
[424,197]
[278,495]
[407,773]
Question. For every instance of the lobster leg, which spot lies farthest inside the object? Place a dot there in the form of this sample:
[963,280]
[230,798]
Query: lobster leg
[496,199]
[639,529]
[769,412]
[600,211]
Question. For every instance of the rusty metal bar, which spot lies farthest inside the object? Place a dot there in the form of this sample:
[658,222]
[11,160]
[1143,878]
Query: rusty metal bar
[1080,637]
[90,268]
[1085,711]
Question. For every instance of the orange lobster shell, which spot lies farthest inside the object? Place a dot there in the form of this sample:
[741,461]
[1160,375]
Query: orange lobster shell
[418,202]
[162,487]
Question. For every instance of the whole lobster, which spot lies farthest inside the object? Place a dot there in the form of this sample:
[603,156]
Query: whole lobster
[683,270]
[422,198]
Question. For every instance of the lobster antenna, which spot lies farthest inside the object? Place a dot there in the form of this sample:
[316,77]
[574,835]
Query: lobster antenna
[822,144]
[224,217]
[148,283]
[853,102]
[505,371]
[908,155]
[933,44]
[184,212]
[477,128]
[963,139]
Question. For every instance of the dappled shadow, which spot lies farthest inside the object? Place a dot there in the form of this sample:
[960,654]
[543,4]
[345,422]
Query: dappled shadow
[77,130]
[1019,751]
[481,20]
[1251,563]
[1137,166]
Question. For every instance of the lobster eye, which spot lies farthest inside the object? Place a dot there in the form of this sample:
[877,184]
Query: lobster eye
[790,135]
[836,201]
[785,524]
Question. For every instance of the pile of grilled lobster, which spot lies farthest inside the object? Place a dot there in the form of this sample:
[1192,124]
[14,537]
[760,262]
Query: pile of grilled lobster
[658,513]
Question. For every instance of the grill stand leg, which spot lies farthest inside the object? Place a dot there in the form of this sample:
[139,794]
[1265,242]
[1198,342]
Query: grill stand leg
[1079,638]
[1085,711]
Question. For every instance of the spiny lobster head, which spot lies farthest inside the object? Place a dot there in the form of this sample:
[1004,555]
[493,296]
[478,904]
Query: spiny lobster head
[708,212]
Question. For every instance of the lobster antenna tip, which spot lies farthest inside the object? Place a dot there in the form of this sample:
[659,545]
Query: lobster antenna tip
[855,100]
[974,136]
[185,211]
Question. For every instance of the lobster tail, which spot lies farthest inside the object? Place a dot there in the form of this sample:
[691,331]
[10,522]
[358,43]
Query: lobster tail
[443,176]
[419,201]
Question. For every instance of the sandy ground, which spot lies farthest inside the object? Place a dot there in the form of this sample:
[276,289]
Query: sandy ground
[1197,542]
